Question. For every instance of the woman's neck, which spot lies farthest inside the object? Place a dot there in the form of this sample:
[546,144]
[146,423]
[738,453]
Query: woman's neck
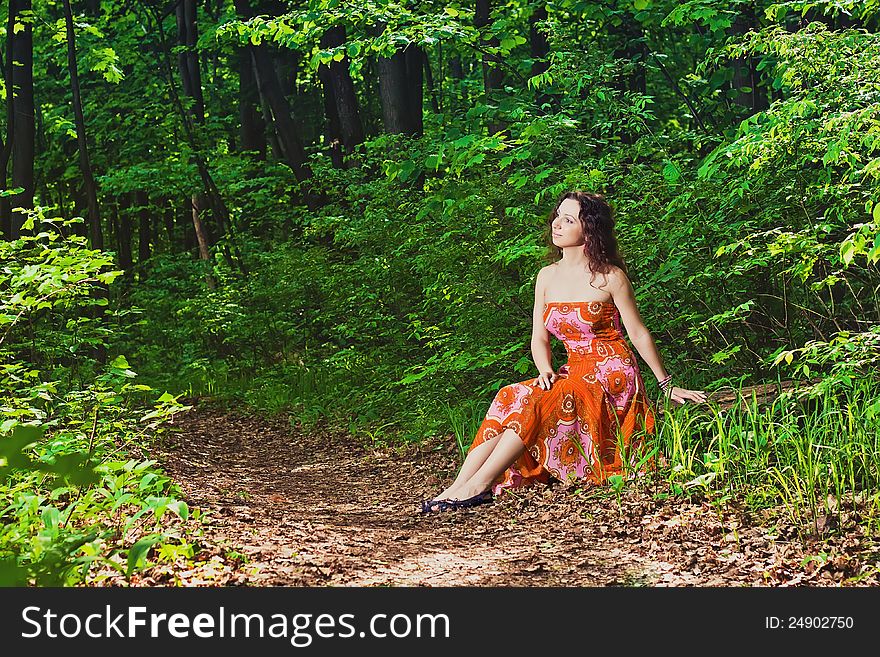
[573,258]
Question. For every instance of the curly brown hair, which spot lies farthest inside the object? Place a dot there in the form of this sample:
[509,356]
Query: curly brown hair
[597,221]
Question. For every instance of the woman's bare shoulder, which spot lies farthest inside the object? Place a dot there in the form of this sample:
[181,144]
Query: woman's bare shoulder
[618,279]
[546,271]
[617,274]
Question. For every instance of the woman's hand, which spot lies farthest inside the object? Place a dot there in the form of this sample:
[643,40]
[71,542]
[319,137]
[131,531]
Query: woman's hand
[682,395]
[546,379]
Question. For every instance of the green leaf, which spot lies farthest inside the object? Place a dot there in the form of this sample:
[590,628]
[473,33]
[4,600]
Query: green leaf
[671,172]
[137,554]
[180,508]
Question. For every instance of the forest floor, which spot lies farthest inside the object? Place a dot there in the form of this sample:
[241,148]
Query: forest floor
[283,507]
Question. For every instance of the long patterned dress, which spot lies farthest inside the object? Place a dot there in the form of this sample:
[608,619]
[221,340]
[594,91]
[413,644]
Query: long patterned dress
[596,405]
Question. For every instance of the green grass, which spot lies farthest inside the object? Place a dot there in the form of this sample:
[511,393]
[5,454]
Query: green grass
[818,457]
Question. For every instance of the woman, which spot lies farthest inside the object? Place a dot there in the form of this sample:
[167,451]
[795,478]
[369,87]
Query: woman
[589,420]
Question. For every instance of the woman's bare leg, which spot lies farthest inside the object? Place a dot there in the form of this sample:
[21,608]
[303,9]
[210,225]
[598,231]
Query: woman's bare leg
[472,462]
[507,450]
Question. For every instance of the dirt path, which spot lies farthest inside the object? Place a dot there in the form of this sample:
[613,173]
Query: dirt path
[293,508]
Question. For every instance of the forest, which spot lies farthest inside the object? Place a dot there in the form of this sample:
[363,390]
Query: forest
[265,263]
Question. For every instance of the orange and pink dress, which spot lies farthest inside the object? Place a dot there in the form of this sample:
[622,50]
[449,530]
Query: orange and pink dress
[595,417]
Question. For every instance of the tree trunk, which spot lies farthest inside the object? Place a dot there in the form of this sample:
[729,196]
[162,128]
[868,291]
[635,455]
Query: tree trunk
[436,100]
[190,241]
[395,97]
[79,209]
[415,58]
[277,151]
[187,60]
[122,218]
[142,202]
[89,187]
[539,49]
[191,78]
[631,51]
[6,152]
[745,69]
[285,127]
[493,76]
[253,128]
[202,239]
[23,131]
[286,63]
[456,74]
[333,134]
[340,102]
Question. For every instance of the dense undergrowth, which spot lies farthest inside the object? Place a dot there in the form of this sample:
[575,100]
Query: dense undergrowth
[397,310]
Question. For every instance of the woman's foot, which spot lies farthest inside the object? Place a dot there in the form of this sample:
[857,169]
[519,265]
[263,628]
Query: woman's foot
[447,494]
[468,491]
[431,506]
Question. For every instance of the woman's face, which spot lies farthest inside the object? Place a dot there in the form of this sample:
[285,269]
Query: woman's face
[567,229]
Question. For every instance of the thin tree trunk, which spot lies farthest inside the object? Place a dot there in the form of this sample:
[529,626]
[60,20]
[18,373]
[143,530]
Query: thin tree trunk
[142,202]
[190,74]
[539,50]
[89,187]
[331,114]
[630,50]
[285,127]
[745,69]
[6,152]
[183,216]
[23,131]
[253,129]
[456,73]
[286,63]
[123,235]
[187,59]
[432,88]
[202,240]
[493,76]
[277,151]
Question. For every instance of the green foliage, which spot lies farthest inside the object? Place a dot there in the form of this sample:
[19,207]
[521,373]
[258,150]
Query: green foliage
[814,457]
[752,248]
[737,141]
[68,504]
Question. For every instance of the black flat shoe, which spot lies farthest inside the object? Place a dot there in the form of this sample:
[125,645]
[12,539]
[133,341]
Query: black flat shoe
[480,498]
[429,505]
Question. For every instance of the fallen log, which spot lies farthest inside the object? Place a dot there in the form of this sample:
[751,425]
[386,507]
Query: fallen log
[763,393]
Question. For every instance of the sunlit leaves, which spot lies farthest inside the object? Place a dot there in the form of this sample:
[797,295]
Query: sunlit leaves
[864,241]
[714,14]
[106,62]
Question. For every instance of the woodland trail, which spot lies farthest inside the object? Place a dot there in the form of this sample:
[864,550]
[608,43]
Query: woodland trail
[293,508]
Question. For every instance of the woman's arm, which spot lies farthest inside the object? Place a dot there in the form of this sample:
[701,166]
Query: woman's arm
[624,298]
[541,351]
